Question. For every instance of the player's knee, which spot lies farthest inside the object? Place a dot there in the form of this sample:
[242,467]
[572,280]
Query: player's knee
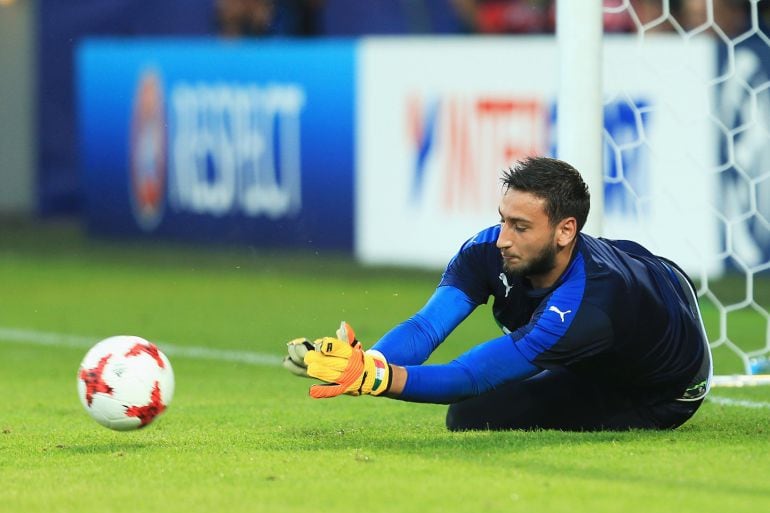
[451,420]
[457,419]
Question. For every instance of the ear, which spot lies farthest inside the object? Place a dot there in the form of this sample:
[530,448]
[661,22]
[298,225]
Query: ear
[566,231]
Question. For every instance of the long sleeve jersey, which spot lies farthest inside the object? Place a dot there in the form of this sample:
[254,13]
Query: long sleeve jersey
[617,315]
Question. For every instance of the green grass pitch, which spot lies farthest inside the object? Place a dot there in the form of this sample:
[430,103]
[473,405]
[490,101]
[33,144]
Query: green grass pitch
[243,437]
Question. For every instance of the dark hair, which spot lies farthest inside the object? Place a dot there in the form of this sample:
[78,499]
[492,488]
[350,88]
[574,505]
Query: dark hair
[558,183]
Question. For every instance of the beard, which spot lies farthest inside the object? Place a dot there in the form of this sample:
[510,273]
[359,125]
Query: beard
[541,263]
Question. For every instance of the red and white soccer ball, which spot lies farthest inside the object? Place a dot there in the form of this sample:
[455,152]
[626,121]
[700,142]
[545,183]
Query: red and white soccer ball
[124,382]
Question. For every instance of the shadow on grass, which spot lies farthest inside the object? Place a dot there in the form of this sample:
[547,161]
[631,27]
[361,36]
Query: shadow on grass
[435,438]
[115,448]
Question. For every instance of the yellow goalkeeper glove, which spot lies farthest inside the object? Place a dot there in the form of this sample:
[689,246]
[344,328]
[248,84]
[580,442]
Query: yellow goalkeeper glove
[345,367]
[296,350]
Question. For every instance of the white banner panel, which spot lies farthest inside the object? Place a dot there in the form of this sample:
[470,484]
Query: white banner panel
[440,119]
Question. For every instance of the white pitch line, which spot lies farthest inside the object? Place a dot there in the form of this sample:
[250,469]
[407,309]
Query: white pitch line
[42,338]
[743,403]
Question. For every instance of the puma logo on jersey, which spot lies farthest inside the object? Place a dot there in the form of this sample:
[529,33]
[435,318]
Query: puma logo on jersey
[504,279]
[561,314]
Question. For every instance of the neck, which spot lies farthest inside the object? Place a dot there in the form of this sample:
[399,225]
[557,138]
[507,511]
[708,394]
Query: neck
[563,257]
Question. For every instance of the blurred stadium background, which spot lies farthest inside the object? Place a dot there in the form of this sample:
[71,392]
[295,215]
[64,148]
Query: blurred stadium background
[241,121]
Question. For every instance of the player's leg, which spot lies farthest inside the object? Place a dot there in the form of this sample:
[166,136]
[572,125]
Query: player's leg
[561,400]
[550,400]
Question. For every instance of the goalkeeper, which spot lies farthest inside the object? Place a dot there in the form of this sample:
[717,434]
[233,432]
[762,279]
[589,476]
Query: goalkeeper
[597,334]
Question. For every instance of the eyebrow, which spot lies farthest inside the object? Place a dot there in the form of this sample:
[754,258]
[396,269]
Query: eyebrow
[514,219]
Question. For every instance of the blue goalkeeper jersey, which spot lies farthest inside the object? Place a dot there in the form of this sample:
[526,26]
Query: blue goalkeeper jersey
[617,316]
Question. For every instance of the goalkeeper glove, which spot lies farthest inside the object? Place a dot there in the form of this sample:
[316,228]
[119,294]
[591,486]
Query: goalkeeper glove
[294,361]
[345,367]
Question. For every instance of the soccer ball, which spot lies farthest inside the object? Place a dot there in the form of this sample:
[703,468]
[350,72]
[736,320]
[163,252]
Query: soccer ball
[124,382]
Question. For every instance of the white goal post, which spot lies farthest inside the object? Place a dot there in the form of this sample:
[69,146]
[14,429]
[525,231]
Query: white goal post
[580,103]
[702,196]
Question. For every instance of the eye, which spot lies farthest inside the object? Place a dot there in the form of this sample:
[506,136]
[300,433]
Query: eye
[520,229]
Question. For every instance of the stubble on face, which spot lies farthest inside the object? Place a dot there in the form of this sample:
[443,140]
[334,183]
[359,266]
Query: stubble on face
[542,263]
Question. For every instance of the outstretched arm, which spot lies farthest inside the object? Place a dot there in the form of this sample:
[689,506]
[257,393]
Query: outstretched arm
[413,341]
[345,368]
[392,367]
[481,369]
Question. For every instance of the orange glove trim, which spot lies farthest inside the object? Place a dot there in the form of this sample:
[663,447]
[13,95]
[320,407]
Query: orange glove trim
[352,372]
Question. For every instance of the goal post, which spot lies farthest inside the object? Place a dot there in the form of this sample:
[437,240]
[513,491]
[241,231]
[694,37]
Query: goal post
[580,108]
[687,170]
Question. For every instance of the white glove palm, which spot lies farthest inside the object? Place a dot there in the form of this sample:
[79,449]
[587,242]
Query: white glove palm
[294,361]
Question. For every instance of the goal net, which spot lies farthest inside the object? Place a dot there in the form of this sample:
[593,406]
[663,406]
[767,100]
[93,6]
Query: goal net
[687,169]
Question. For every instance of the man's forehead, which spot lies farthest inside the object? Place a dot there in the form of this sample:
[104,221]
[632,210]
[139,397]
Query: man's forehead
[521,204]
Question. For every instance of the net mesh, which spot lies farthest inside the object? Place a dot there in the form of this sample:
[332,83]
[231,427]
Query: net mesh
[715,193]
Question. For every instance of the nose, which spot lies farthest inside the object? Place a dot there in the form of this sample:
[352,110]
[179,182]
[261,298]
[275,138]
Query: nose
[503,241]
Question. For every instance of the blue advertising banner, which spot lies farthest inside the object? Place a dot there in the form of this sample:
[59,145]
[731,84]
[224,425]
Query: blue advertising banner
[219,141]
